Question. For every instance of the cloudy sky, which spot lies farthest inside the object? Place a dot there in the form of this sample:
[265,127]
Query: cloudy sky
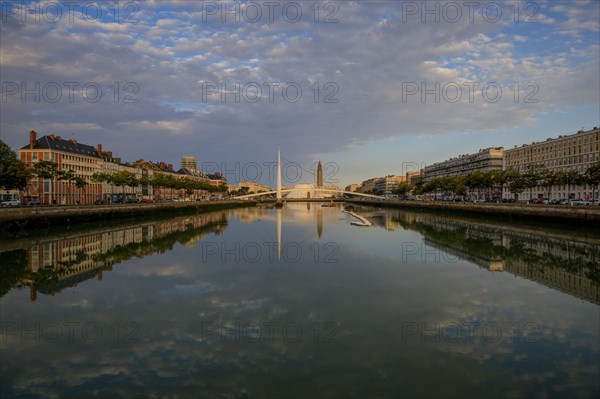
[368,87]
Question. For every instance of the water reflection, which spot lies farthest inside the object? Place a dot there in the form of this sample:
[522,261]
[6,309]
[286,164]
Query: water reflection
[560,260]
[420,305]
[565,260]
[50,265]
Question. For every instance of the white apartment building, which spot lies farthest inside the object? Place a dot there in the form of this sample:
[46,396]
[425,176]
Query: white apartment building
[485,160]
[570,152]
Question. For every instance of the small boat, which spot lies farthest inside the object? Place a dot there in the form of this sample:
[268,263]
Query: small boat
[363,221]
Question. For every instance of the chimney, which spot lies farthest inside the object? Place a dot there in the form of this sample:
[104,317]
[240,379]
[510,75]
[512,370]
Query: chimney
[100,149]
[32,139]
[170,166]
[161,165]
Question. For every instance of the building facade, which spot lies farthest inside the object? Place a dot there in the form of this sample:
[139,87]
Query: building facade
[110,166]
[486,160]
[386,185]
[413,178]
[367,186]
[575,152]
[352,187]
[189,162]
[84,161]
[253,187]
[69,155]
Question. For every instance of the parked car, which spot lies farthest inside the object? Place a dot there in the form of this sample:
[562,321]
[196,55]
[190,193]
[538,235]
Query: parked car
[580,202]
[34,203]
[508,200]
[14,202]
[563,201]
[539,201]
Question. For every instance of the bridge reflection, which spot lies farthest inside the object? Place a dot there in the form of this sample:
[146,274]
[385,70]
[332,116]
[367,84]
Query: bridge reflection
[563,259]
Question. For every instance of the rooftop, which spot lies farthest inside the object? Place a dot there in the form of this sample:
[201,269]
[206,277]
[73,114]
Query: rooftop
[57,143]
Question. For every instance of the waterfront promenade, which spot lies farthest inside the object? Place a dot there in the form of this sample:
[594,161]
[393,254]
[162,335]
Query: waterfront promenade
[28,217]
[34,216]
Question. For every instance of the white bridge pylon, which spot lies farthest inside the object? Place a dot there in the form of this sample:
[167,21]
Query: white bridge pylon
[279,192]
[312,189]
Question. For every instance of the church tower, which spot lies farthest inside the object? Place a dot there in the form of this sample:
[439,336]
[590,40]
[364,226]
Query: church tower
[319,175]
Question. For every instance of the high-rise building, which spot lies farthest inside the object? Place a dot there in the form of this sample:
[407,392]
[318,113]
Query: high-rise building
[319,175]
[189,162]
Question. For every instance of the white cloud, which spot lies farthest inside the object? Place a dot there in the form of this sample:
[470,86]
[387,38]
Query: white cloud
[168,52]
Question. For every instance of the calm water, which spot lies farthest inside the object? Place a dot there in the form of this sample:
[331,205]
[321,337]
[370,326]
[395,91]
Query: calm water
[298,303]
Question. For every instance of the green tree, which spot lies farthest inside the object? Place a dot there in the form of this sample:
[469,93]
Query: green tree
[456,184]
[123,179]
[500,179]
[102,178]
[69,177]
[549,179]
[13,173]
[46,170]
[532,178]
[477,180]
[403,189]
[592,177]
[80,183]
[516,182]
[571,177]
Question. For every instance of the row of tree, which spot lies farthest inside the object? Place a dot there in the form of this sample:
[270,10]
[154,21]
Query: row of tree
[514,181]
[125,179]
[14,175]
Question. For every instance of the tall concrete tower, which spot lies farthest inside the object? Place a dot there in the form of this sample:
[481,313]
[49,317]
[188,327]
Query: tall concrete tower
[319,175]
[278,197]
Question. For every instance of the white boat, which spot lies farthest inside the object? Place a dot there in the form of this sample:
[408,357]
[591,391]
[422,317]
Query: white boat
[363,221]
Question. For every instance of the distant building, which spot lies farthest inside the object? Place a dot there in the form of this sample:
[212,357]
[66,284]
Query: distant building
[485,160]
[575,152]
[386,185]
[252,187]
[379,185]
[189,162]
[413,178]
[111,166]
[319,175]
[308,191]
[352,188]
[367,186]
